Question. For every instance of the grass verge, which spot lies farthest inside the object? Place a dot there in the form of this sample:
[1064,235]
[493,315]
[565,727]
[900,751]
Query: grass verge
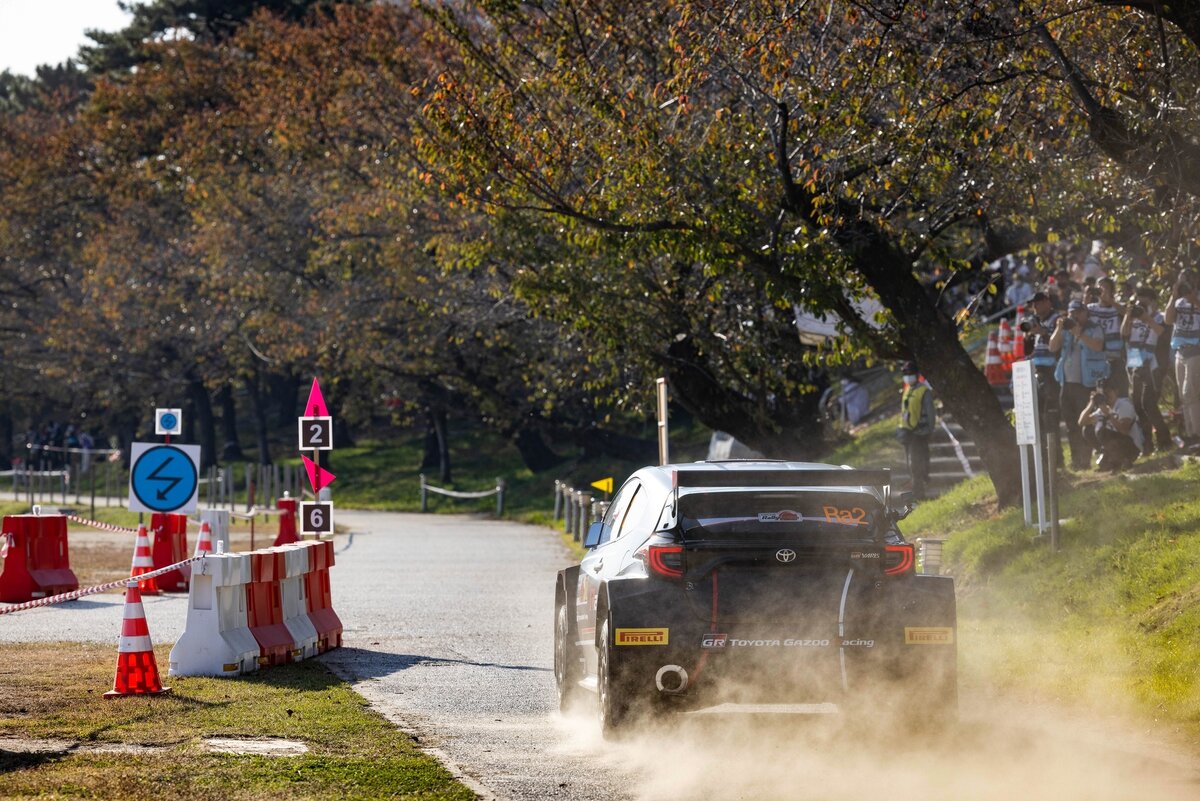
[55,692]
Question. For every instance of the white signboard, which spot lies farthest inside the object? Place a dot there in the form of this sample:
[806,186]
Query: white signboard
[1025,402]
[164,478]
[168,422]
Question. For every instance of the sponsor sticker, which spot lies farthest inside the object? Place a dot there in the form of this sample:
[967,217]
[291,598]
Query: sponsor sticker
[785,516]
[712,642]
[928,635]
[790,642]
[642,636]
[863,555]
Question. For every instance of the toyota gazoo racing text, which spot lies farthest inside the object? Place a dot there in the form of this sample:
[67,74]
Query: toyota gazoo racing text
[754,582]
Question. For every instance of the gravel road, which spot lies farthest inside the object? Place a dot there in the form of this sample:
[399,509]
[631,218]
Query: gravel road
[448,634]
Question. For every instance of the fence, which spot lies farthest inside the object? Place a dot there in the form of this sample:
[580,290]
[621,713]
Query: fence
[427,488]
[577,508]
[101,477]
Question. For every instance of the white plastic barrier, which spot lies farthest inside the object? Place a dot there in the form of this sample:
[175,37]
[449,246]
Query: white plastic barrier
[216,640]
[295,601]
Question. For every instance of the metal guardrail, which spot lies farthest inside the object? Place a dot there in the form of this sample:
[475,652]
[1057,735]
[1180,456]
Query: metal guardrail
[498,491]
[578,509]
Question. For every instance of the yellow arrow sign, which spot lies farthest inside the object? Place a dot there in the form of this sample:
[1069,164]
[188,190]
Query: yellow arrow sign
[604,484]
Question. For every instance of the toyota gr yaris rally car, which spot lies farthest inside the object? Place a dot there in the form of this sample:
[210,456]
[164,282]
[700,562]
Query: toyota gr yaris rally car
[753,582]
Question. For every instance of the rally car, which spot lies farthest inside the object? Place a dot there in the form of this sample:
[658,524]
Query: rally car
[754,583]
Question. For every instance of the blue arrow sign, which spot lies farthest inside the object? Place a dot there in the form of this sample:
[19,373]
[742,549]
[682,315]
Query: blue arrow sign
[164,478]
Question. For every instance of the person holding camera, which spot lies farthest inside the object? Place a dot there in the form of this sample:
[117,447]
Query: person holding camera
[1183,312]
[1141,328]
[1109,425]
[1038,320]
[1079,343]
[1106,312]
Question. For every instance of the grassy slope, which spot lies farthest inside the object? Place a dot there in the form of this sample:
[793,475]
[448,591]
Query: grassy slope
[1111,621]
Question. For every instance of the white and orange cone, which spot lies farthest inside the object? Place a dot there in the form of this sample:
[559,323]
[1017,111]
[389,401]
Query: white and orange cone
[993,368]
[143,562]
[137,670]
[204,543]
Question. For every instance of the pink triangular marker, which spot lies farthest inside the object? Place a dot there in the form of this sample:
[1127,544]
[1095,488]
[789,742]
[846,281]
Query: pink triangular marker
[318,477]
[316,402]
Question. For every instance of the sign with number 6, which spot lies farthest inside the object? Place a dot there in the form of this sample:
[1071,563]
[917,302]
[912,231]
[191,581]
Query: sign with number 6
[316,433]
[316,518]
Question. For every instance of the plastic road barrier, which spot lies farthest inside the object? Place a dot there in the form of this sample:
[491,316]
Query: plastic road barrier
[248,610]
[170,546]
[287,521]
[36,562]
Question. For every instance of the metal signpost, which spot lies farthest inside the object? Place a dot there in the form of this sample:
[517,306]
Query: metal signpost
[1029,434]
[664,450]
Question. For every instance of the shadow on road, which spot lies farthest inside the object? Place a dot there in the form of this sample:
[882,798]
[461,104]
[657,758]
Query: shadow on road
[362,663]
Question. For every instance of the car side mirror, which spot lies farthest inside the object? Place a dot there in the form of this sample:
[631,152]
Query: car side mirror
[592,538]
[903,506]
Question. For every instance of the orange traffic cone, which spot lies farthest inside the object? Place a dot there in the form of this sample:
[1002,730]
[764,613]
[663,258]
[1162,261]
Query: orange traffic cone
[137,670]
[993,368]
[1006,345]
[1019,353]
[143,562]
[204,543]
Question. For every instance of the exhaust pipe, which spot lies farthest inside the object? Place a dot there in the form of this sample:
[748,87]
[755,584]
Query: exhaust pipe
[671,680]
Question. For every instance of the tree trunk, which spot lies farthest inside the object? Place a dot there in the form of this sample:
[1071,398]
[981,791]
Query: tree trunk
[437,443]
[201,403]
[258,402]
[535,453]
[792,430]
[932,338]
[231,450]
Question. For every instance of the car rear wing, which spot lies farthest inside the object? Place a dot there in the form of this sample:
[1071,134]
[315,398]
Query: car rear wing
[879,480]
[818,477]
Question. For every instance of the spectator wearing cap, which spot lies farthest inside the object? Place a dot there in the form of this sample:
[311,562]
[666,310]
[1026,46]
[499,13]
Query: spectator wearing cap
[1183,312]
[1106,312]
[1141,329]
[916,426]
[1079,343]
[1109,424]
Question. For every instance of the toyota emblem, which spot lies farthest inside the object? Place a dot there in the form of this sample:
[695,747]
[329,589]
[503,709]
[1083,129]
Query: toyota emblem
[785,555]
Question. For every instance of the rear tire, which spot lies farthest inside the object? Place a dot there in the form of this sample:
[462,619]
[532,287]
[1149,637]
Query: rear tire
[568,666]
[613,695]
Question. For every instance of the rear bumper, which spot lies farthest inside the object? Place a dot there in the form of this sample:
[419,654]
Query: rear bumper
[899,631]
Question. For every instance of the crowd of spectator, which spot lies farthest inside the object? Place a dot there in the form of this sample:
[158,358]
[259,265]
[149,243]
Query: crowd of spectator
[54,446]
[1103,353]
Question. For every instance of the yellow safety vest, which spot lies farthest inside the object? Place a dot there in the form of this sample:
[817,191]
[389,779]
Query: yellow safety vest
[910,405]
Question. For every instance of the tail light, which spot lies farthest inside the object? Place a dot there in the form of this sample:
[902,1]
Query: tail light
[897,559]
[665,560]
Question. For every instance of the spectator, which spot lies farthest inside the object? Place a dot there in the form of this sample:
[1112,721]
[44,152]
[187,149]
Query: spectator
[1038,320]
[1106,313]
[1081,363]
[1141,329]
[916,427]
[1109,424]
[856,402]
[1183,312]
[87,444]
[1020,291]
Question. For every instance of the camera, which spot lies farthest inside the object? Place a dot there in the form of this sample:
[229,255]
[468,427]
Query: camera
[1026,325]
[1137,310]
[1069,324]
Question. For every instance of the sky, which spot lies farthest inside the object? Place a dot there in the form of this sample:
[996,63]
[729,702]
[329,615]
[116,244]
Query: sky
[34,32]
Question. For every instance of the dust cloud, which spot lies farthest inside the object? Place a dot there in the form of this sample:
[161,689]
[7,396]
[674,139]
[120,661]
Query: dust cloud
[996,751]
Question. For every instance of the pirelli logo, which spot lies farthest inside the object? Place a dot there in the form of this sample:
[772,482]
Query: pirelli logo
[642,636]
[928,635]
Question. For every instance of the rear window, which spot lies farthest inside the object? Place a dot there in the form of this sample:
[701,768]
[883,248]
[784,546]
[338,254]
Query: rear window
[828,514]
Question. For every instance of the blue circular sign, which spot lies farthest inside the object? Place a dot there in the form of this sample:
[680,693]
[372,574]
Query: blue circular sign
[164,478]
[168,421]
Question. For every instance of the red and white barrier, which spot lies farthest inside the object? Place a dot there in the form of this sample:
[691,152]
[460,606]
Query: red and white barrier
[248,610]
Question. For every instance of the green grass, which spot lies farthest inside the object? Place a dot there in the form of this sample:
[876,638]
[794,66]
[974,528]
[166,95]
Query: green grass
[55,691]
[1114,615]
